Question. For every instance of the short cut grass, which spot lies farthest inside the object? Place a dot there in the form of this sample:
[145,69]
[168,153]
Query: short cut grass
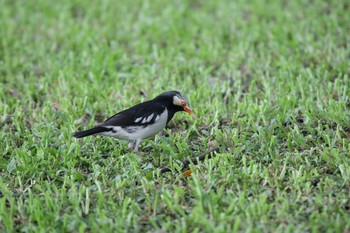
[268,81]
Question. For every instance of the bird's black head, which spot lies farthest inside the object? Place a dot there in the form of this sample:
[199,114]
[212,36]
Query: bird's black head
[174,101]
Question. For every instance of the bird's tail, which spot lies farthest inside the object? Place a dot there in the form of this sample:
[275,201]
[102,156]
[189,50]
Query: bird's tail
[95,130]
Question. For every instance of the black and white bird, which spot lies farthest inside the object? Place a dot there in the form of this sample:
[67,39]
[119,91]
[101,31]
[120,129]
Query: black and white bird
[141,121]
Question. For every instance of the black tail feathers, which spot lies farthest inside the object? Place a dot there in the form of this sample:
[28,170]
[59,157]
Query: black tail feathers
[89,132]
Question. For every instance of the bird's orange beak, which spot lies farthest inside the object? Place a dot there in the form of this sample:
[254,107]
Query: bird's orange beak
[186,109]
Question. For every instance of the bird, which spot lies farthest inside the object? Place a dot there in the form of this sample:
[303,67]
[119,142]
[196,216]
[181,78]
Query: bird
[141,121]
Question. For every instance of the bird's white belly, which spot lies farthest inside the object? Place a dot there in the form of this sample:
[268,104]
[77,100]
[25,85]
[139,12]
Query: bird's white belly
[132,133]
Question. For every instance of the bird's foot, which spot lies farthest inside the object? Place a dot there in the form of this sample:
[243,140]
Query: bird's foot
[134,145]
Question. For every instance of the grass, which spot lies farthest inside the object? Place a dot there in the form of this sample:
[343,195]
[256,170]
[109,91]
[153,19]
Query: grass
[268,81]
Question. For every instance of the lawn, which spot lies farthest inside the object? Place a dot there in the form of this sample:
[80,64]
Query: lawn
[269,84]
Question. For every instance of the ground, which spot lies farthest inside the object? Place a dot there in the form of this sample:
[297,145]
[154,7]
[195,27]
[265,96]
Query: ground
[267,80]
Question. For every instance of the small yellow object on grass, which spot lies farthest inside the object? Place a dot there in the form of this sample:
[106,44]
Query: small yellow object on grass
[187,173]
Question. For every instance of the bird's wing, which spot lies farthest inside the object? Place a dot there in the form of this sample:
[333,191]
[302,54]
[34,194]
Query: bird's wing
[141,114]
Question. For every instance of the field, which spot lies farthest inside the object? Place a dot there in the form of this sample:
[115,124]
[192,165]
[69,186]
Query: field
[268,82]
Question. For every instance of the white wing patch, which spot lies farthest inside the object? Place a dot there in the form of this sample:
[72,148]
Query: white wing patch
[157,118]
[138,119]
[147,119]
[150,117]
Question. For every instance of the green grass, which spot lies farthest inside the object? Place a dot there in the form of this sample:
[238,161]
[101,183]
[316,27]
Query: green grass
[268,81]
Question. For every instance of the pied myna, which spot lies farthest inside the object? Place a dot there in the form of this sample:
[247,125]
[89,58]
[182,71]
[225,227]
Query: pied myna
[141,121]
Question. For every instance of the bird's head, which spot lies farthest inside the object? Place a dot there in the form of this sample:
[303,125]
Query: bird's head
[176,101]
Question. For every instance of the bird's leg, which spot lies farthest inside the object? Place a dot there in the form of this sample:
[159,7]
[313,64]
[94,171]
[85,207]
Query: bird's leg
[131,145]
[136,146]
